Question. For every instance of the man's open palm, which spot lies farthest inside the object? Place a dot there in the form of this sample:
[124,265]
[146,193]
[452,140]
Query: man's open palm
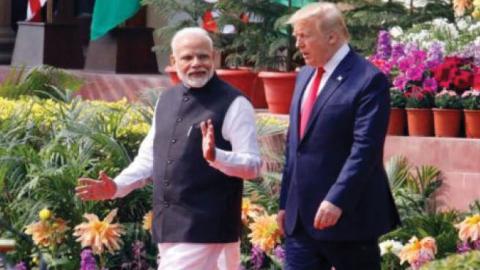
[208,140]
[96,190]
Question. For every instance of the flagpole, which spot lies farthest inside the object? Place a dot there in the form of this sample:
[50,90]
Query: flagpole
[290,48]
[49,11]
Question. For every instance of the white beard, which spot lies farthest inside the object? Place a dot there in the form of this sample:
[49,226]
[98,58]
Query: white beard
[195,82]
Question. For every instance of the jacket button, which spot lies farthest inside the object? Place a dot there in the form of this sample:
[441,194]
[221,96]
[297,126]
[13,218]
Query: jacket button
[298,154]
[179,120]
[166,183]
[169,161]
[166,204]
[185,99]
[173,141]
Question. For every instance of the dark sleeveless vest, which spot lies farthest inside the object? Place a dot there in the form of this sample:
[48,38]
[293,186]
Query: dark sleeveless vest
[193,202]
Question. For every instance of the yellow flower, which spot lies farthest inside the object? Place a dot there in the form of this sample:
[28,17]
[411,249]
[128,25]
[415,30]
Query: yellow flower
[418,250]
[469,228]
[46,233]
[147,221]
[45,214]
[250,210]
[265,233]
[99,234]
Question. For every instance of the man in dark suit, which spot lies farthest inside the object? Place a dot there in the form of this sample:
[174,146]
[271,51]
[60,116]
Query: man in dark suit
[335,200]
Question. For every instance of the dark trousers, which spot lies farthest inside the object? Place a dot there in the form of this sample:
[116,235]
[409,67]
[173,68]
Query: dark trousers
[305,253]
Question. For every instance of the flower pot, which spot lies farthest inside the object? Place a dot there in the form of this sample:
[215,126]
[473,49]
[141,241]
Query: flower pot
[397,121]
[242,79]
[472,123]
[447,122]
[279,88]
[420,122]
[258,94]
[172,74]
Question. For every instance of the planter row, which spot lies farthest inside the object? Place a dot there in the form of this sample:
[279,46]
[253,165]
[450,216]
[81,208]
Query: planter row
[434,122]
[264,89]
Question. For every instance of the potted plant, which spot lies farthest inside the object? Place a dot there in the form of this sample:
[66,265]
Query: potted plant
[447,114]
[471,110]
[419,113]
[397,120]
[264,42]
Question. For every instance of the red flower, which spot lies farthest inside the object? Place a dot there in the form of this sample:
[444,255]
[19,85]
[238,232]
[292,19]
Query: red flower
[463,80]
[476,81]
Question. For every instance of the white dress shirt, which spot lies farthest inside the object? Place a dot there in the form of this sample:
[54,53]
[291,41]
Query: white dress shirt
[243,161]
[329,68]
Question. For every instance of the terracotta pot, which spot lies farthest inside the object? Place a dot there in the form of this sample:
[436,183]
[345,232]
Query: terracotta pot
[172,74]
[420,122]
[447,122]
[242,79]
[258,94]
[472,123]
[397,122]
[279,88]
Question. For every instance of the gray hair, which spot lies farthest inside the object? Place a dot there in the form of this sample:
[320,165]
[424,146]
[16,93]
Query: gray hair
[326,16]
[190,32]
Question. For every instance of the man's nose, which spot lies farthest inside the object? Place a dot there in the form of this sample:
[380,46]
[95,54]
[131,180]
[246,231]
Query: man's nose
[298,43]
[196,61]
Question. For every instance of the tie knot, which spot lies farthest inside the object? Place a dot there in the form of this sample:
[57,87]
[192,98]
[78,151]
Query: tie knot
[320,71]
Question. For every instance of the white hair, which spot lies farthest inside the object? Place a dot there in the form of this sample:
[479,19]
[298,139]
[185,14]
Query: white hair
[190,32]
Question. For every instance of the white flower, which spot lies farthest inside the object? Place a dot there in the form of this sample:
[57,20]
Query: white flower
[390,246]
[396,31]
[462,24]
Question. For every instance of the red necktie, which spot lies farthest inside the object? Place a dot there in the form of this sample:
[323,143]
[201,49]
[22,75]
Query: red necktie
[310,101]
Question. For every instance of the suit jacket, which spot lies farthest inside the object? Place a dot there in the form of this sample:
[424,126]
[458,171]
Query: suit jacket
[340,157]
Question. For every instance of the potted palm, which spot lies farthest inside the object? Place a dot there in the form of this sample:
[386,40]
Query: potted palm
[447,114]
[471,105]
[419,103]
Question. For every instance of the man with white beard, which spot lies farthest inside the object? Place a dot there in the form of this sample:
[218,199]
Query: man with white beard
[201,145]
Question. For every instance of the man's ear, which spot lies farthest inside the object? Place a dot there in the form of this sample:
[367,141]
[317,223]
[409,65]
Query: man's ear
[172,60]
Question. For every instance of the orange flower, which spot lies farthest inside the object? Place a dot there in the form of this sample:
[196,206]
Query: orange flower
[250,210]
[46,233]
[459,6]
[469,228]
[147,221]
[415,251]
[265,233]
[100,235]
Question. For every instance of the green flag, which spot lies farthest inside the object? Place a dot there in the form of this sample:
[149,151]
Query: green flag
[295,3]
[109,13]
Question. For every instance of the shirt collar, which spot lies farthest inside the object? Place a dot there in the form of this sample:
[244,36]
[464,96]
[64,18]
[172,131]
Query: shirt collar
[332,64]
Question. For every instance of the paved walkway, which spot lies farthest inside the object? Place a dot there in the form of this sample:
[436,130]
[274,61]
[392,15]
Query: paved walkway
[111,86]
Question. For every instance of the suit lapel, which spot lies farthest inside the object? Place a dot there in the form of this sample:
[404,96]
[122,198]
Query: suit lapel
[338,76]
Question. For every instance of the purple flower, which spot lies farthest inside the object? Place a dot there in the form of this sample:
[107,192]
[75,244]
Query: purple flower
[398,50]
[434,55]
[21,266]
[400,82]
[414,73]
[384,47]
[463,247]
[430,85]
[87,260]
[476,244]
[139,254]
[257,258]
[404,63]
[279,253]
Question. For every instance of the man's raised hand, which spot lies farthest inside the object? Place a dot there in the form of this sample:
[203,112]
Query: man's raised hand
[96,190]
[208,140]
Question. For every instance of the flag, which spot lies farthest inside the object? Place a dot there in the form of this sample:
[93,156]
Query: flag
[33,9]
[295,3]
[107,14]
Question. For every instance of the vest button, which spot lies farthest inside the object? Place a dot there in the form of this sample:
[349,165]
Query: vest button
[179,120]
[185,99]
[173,141]
[169,161]
[166,204]
[166,183]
